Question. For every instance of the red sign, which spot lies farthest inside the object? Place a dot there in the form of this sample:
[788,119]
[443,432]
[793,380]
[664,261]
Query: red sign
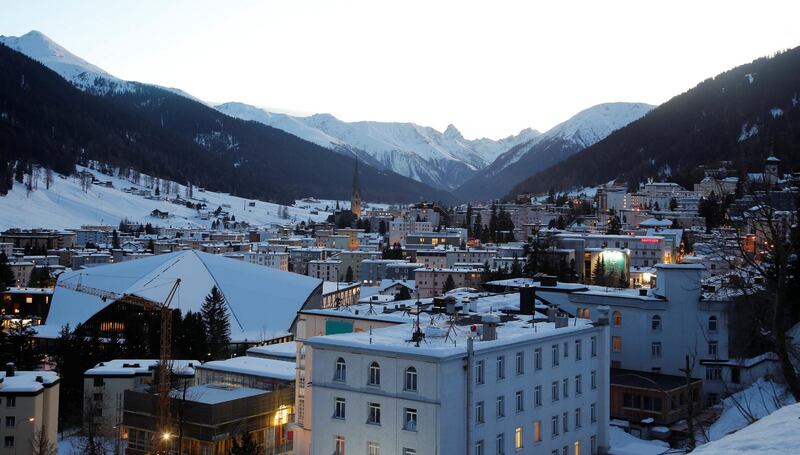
[649,240]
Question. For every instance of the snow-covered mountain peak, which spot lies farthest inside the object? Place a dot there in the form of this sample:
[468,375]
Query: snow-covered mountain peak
[595,123]
[452,132]
[40,47]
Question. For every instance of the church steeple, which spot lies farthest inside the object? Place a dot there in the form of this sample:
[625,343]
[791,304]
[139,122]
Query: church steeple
[355,200]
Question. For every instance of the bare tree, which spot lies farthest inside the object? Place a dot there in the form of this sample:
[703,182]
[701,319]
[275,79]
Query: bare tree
[48,177]
[41,444]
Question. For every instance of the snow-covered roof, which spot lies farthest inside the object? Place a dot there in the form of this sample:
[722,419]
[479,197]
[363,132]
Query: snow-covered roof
[286,350]
[254,366]
[25,381]
[656,223]
[262,301]
[215,393]
[137,367]
[387,283]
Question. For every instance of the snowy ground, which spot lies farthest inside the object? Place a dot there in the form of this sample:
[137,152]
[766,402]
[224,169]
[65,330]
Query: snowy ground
[753,403]
[775,434]
[65,205]
[623,443]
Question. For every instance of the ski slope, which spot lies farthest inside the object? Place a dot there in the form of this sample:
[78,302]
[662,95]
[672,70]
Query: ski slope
[66,206]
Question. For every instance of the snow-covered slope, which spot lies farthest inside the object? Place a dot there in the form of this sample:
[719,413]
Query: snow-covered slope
[78,71]
[775,434]
[558,143]
[65,205]
[419,152]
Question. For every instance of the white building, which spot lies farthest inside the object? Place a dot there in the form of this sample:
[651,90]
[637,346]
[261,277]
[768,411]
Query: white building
[326,269]
[275,260]
[28,404]
[479,388]
[400,228]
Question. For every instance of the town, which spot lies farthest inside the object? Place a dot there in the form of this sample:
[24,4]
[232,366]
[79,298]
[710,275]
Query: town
[564,322]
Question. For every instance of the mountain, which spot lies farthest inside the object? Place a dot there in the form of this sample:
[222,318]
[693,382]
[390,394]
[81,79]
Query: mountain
[559,143]
[741,115]
[47,121]
[442,160]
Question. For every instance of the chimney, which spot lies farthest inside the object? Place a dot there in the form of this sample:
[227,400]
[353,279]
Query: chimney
[490,323]
[527,300]
[552,312]
[40,379]
[10,369]
[602,314]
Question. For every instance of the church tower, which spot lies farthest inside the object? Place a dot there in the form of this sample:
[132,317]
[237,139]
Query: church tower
[355,200]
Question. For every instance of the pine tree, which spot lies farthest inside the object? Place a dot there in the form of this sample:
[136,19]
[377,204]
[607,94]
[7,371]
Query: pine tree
[216,323]
[599,272]
[115,239]
[20,345]
[244,445]
[516,268]
[614,226]
[348,276]
[6,275]
[449,284]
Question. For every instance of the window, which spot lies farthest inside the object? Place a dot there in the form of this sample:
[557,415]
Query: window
[9,441]
[578,350]
[407,451]
[410,382]
[479,448]
[501,406]
[565,387]
[301,409]
[98,382]
[518,438]
[651,404]
[520,400]
[11,402]
[616,343]
[97,397]
[565,421]
[10,422]
[566,349]
[592,445]
[593,412]
[594,346]
[479,418]
[500,444]
[373,448]
[632,401]
[479,372]
[410,419]
[537,395]
[578,386]
[374,374]
[339,408]
[501,367]
[712,348]
[537,358]
[712,324]
[520,362]
[341,370]
[594,380]
[655,323]
[537,431]
[338,445]
[374,413]
[655,349]
[554,426]
[554,390]
[577,418]
[554,350]
[617,317]
[713,373]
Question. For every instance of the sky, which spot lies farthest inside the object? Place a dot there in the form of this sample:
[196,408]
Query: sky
[491,68]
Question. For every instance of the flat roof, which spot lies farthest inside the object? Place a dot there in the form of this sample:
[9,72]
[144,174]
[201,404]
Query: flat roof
[216,393]
[647,379]
[287,349]
[254,366]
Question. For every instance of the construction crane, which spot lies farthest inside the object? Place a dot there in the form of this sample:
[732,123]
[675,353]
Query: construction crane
[162,440]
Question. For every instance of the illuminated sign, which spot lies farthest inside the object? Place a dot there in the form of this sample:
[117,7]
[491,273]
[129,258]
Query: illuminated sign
[649,240]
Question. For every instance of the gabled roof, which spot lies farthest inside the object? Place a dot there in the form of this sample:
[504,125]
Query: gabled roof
[262,301]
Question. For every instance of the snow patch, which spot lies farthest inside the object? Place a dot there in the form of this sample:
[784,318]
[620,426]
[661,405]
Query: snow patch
[750,77]
[747,133]
[742,408]
[776,112]
[623,443]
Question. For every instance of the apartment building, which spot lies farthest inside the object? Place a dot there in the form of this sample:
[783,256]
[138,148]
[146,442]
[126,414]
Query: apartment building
[28,405]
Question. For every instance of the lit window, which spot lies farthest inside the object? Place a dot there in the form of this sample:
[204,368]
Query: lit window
[338,445]
[537,431]
[577,447]
[373,448]
[518,438]
[617,316]
[616,343]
